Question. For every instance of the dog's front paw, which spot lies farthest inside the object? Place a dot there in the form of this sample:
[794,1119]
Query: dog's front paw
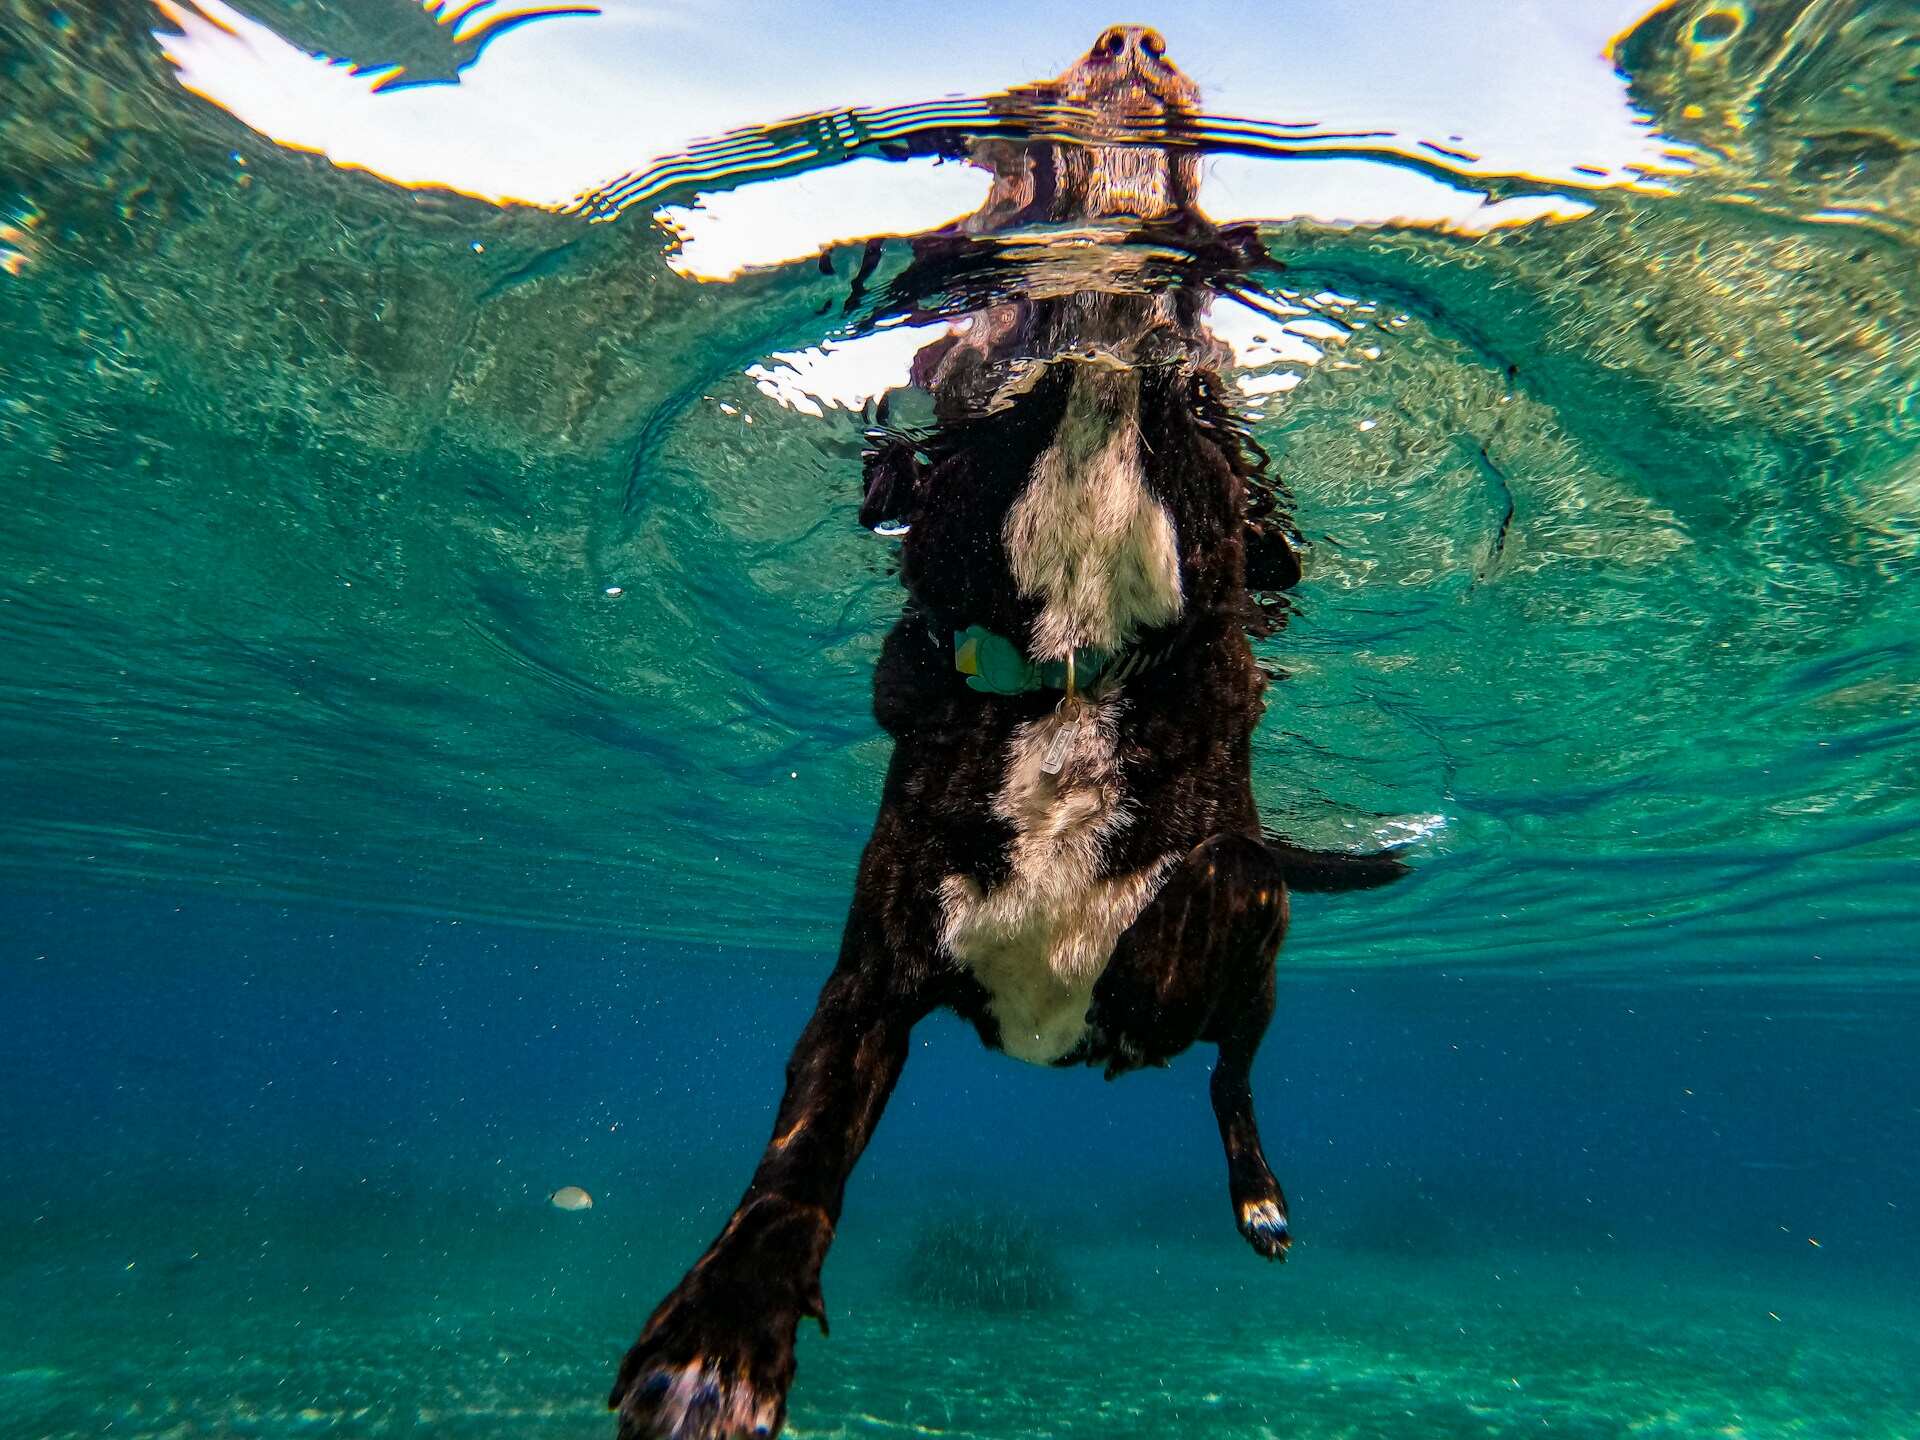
[716,1359]
[709,1397]
[1264,1222]
[707,1368]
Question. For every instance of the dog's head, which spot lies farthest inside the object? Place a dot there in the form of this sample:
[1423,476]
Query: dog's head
[1127,75]
[1116,101]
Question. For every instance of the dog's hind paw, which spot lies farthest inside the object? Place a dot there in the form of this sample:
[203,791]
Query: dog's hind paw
[1264,1223]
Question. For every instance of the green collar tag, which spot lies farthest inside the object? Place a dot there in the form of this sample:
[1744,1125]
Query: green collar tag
[994,665]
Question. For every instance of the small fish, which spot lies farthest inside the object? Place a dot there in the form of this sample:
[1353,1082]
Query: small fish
[570,1197]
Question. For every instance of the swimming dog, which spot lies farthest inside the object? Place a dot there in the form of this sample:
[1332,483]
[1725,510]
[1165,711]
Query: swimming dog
[1067,851]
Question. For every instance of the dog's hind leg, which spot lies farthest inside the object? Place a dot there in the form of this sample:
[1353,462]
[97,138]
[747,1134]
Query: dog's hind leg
[1198,965]
[716,1358]
[1259,1206]
[1259,911]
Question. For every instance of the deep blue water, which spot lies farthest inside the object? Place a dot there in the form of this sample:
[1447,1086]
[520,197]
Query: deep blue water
[237,1129]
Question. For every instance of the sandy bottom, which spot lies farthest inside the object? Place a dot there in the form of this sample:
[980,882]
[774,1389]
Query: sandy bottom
[510,1323]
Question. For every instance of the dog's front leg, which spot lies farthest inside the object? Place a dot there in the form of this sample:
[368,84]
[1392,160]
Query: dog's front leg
[716,1358]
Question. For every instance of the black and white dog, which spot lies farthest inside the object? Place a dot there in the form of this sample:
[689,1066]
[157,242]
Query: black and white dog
[1067,851]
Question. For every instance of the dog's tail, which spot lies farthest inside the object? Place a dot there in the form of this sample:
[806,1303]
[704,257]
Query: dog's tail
[1325,872]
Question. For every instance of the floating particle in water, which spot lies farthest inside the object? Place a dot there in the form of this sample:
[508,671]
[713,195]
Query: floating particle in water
[570,1197]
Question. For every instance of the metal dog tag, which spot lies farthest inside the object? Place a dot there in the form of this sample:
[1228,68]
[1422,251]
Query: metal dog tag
[1072,716]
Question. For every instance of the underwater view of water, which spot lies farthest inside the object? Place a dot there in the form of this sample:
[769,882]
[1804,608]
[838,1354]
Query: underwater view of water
[438,641]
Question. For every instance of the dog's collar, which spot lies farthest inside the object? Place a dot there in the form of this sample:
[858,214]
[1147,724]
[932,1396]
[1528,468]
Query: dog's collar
[995,665]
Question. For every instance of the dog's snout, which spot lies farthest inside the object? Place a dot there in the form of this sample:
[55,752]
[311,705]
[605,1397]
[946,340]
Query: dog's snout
[1134,42]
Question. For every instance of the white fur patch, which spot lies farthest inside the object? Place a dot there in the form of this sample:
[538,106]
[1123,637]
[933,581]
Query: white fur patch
[1040,941]
[1086,537]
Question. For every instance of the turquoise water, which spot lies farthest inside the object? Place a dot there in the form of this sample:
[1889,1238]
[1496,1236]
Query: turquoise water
[437,645]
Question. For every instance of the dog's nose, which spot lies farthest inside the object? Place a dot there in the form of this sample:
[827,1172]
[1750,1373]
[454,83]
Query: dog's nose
[1138,43]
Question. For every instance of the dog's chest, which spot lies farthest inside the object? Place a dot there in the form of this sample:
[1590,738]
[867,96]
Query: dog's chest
[1040,940]
[1086,538]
